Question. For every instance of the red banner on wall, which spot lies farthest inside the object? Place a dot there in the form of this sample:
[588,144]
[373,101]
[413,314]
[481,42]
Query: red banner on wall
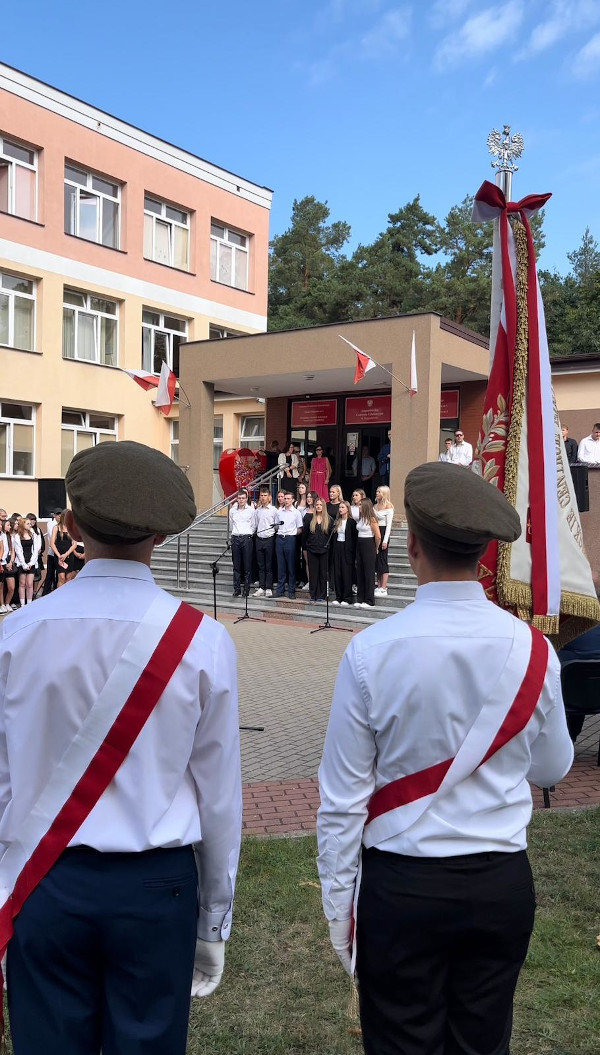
[310,413]
[449,403]
[368,410]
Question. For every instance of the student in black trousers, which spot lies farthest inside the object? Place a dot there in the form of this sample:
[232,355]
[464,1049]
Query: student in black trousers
[343,546]
[369,538]
[315,536]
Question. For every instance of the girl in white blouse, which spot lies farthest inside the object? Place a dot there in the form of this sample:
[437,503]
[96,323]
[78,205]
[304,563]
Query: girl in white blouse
[27,550]
[384,511]
[357,497]
[369,538]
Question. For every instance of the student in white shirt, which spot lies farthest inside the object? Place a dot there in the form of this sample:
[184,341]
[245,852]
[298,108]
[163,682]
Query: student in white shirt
[432,738]
[267,519]
[384,511]
[446,455]
[27,549]
[589,448]
[289,527]
[242,525]
[461,452]
[369,539]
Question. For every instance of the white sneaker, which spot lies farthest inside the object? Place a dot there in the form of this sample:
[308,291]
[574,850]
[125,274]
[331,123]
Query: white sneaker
[306,586]
[344,604]
[258,593]
[382,592]
[378,591]
[335,602]
[268,593]
[3,609]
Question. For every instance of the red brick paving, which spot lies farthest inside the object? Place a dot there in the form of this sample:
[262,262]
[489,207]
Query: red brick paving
[288,806]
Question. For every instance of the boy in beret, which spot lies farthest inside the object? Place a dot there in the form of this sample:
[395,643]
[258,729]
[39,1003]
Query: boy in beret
[441,715]
[120,789]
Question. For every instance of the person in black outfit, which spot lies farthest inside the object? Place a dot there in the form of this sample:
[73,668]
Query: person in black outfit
[315,536]
[571,446]
[51,579]
[343,545]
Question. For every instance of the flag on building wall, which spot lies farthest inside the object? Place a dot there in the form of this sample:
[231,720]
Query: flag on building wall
[413,367]
[143,378]
[545,576]
[364,363]
[165,383]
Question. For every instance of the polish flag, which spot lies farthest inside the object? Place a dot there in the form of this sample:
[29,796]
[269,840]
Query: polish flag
[413,367]
[143,378]
[166,389]
[364,363]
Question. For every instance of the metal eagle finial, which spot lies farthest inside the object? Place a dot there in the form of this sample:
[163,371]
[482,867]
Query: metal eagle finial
[505,147]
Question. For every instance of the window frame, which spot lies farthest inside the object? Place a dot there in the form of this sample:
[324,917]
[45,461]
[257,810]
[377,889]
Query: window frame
[250,440]
[12,294]
[220,333]
[217,440]
[98,316]
[102,196]
[8,472]
[174,440]
[218,241]
[10,162]
[86,427]
[172,223]
[169,333]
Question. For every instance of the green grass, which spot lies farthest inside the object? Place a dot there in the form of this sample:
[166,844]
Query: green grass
[284,991]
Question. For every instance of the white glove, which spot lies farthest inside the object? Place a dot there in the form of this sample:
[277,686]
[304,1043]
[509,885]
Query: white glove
[339,934]
[209,962]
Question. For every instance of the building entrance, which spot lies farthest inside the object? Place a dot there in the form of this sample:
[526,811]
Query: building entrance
[362,445]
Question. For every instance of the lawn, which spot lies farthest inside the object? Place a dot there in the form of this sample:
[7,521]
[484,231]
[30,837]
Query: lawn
[284,992]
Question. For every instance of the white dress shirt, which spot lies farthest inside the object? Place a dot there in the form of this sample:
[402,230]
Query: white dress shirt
[407,692]
[267,519]
[461,453]
[35,552]
[242,521]
[180,783]
[289,520]
[589,451]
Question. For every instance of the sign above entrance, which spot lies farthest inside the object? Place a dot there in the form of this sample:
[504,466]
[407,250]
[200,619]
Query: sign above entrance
[449,403]
[368,410]
[310,413]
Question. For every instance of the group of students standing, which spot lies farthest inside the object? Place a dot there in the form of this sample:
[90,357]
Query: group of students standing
[23,547]
[306,542]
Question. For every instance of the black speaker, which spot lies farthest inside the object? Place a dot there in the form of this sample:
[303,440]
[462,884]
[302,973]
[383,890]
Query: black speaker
[52,495]
[581,487]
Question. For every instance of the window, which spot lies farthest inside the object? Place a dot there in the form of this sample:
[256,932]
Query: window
[18,179]
[228,256]
[81,429]
[166,234]
[89,328]
[217,333]
[252,433]
[92,207]
[17,436]
[161,337]
[217,440]
[17,311]
[175,441]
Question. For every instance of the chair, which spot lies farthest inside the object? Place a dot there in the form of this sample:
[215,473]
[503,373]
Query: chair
[580,679]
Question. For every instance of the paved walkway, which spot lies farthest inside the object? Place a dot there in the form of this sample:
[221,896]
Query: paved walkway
[286,677]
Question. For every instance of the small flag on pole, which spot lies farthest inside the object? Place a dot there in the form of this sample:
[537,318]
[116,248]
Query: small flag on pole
[364,363]
[413,367]
[166,389]
[143,378]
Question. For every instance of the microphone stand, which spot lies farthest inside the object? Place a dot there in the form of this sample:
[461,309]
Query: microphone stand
[327,625]
[215,572]
[251,618]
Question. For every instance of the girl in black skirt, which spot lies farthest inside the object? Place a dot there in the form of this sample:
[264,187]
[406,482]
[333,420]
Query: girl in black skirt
[317,529]
[369,538]
[344,554]
[62,547]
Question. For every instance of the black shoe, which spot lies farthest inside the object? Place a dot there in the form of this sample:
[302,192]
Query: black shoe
[292,596]
[236,593]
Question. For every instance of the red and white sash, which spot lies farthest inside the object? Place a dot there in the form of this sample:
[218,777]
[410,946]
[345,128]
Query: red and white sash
[397,806]
[92,759]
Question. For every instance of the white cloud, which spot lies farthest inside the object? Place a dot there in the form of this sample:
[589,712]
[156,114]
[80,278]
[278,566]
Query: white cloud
[445,11]
[385,35]
[479,35]
[491,78]
[564,17]
[586,63]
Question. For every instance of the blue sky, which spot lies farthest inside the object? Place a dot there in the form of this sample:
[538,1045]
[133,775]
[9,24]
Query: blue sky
[363,103]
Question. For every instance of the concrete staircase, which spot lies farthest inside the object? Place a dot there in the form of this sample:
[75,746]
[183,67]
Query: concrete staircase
[208,540]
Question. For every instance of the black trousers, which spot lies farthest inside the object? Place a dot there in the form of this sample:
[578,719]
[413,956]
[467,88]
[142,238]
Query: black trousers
[343,573]
[241,554]
[51,575]
[265,552]
[102,956]
[440,944]
[365,570]
[317,574]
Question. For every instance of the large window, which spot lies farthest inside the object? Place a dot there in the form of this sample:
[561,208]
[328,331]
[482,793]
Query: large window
[166,234]
[18,179]
[17,311]
[175,441]
[81,429]
[219,333]
[89,328]
[252,432]
[17,438]
[217,440]
[161,337]
[92,207]
[228,256]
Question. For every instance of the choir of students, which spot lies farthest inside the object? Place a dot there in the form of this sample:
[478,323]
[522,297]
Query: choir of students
[34,562]
[308,543]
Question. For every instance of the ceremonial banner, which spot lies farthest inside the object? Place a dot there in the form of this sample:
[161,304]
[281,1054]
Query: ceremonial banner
[545,576]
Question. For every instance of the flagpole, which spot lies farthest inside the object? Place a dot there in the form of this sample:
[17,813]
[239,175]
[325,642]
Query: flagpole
[182,390]
[376,364]
[505,147]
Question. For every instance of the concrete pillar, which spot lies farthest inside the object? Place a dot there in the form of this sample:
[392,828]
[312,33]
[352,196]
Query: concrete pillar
[196,433]
[415,427]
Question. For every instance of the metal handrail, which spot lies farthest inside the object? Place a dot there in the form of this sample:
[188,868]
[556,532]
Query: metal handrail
[202,518]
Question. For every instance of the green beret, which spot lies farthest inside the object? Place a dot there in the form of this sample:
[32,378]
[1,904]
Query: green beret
[129,491]
[455,509]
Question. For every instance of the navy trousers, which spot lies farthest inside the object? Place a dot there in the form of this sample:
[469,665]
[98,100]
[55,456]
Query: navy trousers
[286,564]
[265,549]
[241,552]
[102,956]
